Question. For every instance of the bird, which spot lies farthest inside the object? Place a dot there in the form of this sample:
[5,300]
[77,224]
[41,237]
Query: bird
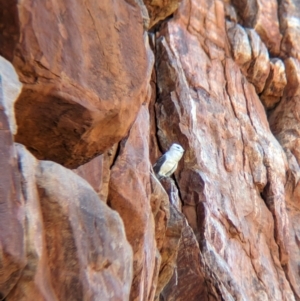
[167,163]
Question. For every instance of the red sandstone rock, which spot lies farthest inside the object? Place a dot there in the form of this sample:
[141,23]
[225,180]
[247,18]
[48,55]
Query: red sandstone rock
[289,15]
[262,15]
[160,206]
[173,234]
[218,118]
[240,45]
[12,219]
[188,281]
[251,55]
[259,68]
[240,191]
[284,121]
[285,124]
[76,246]
[85,69]
[129,194]
[35,280]
[152,227]
[292,90]
[275,84]
[97,172]
[169,249]
[160,10]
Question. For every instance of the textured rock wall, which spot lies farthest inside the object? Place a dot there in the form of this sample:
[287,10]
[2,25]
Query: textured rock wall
[12,218]
[233,175]
[106,87]
[78,79]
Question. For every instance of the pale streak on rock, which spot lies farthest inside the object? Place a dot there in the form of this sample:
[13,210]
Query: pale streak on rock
[11,88]
[12,218]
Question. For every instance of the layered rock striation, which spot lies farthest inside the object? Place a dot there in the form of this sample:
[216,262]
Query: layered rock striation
[94,94]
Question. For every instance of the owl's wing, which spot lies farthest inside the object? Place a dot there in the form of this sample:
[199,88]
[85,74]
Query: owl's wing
[159,163]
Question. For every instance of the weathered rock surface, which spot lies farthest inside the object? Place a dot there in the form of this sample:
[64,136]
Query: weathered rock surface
[240,45]
[262,15]
[250,54]
[232,157]
[170,247]
[160,10]
[129,194]
[84,77]
[12,219]
[97,172]
[285,124]
[248,51]
[153,225]
[284,120]
[289,16]
[188,281]
[160,207]
[226,226]
[259,68]
[169,250]
[275,84]
[75,245]
[58,241]
[10,89]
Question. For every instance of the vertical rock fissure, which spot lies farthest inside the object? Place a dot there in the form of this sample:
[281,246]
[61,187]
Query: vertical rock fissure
[115,156]
[157,92]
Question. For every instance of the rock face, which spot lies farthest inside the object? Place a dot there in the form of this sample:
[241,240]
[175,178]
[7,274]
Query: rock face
[233,175]
[262,15]
[289,15]
[173,237]
[284,122]
[225,85]
[75,245]
[129,194]
[160,10]
[275,84]
[82,85]
[188,281]
[250,54]
[12,218]
[97,172]
[58,240]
